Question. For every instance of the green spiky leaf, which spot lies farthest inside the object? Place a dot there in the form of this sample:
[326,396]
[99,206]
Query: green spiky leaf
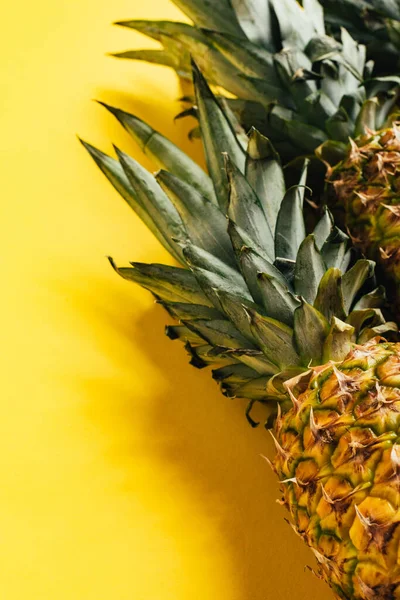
[117,177]
[329,300]
[353,281]
[309,270]
[265,175]
[310,332]
[217,136]
[195,209]
[275,339]
[155,201]
[171,284]
[245,209]
[165,153]
[278,301]
[290,226]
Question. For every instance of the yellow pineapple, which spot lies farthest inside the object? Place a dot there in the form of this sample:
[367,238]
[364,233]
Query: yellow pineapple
[286,318]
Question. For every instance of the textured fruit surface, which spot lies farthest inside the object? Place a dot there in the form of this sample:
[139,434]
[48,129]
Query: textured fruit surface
[338,460]
[367,185]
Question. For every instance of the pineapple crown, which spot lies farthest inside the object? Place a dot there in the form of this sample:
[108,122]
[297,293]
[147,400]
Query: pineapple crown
[257,297]
[375,23]
[297,85]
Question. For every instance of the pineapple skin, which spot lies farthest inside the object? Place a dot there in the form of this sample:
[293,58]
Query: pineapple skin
[366,185]
[338,461]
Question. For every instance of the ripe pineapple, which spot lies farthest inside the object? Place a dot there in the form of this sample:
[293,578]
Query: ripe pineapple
[367,185]
[307,91]
[286,319]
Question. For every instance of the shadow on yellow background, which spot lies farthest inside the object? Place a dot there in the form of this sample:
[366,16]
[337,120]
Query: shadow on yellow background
[125,473]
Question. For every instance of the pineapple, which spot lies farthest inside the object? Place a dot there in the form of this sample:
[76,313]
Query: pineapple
[308,92]
[367,185]
[287,319]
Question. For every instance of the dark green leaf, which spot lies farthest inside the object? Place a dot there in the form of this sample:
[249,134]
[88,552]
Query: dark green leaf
[199,258]
[334,249]
[252,390]
[155,201]
[307,137]
[219,333]
[205,355]
[164,153]
[235,309]
[265,175]
[294,68]
[171,284]
[278,301]
[287,268]
[275,340]
[234,374]
[353,281]
[117,177]
[375,299]
[256,360]
[310,269]
[218,137]
[240,239]
[165,57]
[248,58]
[245,209]
[329,300]
[182,333]
[190,312]
[339,341]
[210,15]
[310,332]
[205,224]
[323,228]
[296,28]
[290,227]
[251,264]
[340,126]
[255,19]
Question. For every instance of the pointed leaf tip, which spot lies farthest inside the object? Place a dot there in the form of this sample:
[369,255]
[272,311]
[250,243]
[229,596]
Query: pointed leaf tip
[121,23]
[112,263]
[112,109]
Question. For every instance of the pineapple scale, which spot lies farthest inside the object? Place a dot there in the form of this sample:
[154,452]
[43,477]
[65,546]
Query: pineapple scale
[338,461]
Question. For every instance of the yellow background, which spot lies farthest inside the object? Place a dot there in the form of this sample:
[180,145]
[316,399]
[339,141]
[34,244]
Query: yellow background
[124,473]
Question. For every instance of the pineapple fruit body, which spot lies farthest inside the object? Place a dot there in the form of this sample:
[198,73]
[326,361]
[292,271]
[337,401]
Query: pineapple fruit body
[367,185]
[338,460]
